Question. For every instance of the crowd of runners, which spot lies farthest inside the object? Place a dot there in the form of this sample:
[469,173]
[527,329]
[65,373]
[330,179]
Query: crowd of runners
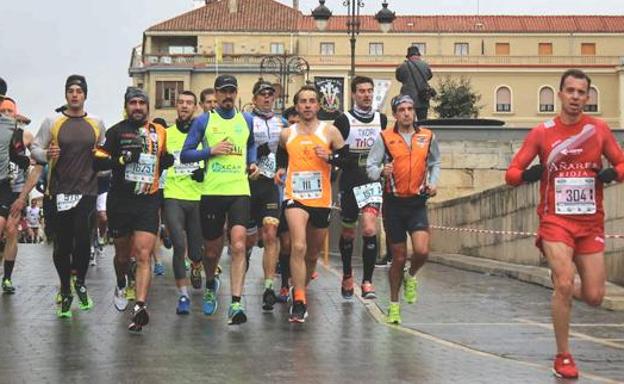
[219,182]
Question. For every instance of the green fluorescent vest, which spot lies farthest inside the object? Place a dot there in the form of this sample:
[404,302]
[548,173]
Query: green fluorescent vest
[180,187]
[227,174]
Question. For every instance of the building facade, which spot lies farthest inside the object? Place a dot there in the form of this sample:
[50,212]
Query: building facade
[513,62]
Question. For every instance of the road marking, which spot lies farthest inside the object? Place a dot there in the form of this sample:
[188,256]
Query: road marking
[378,315]
[578,335]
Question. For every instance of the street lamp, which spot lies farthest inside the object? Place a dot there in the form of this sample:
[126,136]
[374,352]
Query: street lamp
[283,67]
[384,17]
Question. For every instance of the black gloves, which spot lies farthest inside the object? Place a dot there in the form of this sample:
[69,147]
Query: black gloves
[166,161]
[130,155]
[22,161]
[533,174]
[198,175]
[263,150]
[607,175]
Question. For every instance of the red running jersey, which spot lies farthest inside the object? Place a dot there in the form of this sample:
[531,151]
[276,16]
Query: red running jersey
[572,157]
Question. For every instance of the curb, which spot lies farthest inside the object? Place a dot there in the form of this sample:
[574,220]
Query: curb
[613,300]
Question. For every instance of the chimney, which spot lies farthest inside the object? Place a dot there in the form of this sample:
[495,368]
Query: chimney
[233,6]
[296,5]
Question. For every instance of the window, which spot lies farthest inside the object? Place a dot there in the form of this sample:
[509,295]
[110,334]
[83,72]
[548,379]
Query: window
[167,93]
[181,50]
[588,49]
[277,48]
[228,49]
[461,49]
[328,49]
[422,47]
[502,49]
[503,99]
[545,49]
[546,99]
[375,49]
[592,103]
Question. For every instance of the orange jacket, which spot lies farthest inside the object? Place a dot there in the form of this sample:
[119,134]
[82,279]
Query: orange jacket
[409,164]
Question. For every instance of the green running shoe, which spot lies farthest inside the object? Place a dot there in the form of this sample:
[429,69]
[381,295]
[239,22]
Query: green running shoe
[7,286]
[236,314]
[64,308]
[410,291]
[85,302]
[394,314]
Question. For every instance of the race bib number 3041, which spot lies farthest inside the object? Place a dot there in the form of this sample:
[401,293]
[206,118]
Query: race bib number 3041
[575,195]
[307,185]
[143,171]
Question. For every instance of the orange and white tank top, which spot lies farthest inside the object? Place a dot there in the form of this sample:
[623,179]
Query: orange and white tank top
[308,178]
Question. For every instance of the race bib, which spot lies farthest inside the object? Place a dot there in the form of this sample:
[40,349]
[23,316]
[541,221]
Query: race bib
[66,202]
[307,185]
[142,171]
[575,195]
[267,165]
[183,169]
[363,138]
[368,194]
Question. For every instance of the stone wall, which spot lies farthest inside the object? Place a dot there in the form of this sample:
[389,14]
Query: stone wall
[513,209]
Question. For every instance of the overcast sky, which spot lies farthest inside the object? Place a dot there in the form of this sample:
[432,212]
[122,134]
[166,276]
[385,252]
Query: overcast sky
[41,42]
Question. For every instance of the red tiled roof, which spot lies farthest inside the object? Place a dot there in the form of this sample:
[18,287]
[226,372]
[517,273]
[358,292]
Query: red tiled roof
[271,16]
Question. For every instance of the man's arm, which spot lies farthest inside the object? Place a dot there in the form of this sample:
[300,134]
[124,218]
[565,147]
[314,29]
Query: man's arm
[41,142]
[613,152]
[32,179]
[523,158]
[433,162]
[374,162]
[197,132]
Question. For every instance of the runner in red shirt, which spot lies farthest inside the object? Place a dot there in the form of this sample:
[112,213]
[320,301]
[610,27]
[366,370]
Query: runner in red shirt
[571,230]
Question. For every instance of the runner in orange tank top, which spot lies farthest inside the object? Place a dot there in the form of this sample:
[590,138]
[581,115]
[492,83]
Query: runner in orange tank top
[306,153]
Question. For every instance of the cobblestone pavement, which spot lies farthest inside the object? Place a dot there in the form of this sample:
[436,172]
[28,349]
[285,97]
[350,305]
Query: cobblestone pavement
[467,328]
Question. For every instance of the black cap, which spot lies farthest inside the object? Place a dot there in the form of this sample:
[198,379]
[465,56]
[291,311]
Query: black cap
[413,51]
[78,80]
[3,88]
[262,86]
[225,81]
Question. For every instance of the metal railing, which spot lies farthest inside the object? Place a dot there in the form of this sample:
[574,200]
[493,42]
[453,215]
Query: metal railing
[197,60]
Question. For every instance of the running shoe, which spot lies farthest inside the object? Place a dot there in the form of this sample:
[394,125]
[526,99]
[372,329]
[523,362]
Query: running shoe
[7,286]
[219,270]
[159,269]
[368,291]
[565,367]
[210,304]
[346,287]
[58,298]
[298,312]
[315,275]
[131,292]
[184,306]
[394,314]
[85,302]
[384,261]
[283,295]
[236,314]
[120,299]
[410,291]
[64,307]
[196,277]
[140,318]
[187,265]
[268,299]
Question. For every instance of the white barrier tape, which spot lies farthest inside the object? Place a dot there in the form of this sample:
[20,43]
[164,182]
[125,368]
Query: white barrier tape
[495,232]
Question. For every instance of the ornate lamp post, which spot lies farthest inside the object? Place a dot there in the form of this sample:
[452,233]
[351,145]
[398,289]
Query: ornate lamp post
[384,17]
[284,66]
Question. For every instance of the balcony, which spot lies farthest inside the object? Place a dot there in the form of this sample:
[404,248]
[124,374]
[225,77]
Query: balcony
[139,62]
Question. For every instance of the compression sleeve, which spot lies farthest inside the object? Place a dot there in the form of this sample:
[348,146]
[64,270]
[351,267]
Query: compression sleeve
[524,157]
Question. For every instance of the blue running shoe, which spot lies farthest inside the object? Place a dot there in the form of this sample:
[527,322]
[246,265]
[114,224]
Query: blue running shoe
[159,269]
[184,306]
